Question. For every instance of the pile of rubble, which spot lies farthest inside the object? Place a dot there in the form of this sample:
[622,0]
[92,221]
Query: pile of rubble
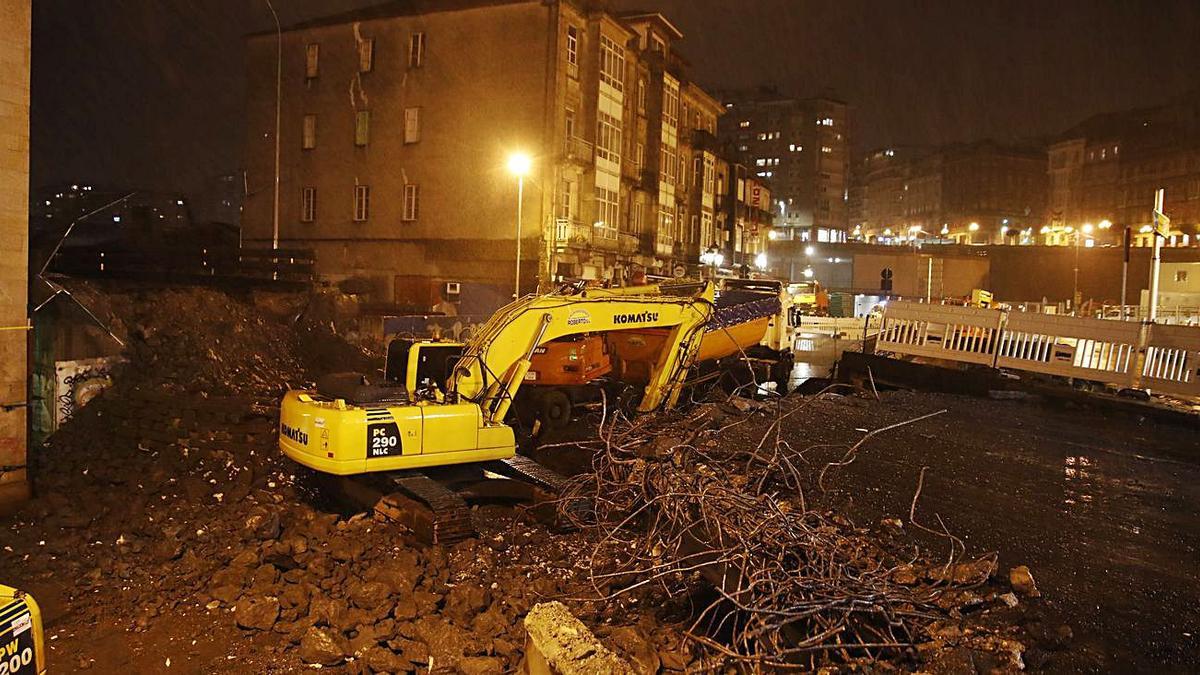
[166,502]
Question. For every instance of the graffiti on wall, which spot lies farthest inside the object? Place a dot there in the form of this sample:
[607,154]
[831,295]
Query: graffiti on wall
[77,382]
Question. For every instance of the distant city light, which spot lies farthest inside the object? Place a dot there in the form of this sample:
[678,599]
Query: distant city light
[945,229]
[1088,228]
[974,227]
[760,261]
[808,273]
[1105,224]
[809,251]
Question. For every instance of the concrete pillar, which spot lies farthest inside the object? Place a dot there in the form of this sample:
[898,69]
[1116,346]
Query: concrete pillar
[14,246]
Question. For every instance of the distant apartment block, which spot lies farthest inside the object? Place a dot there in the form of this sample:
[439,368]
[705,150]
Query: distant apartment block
[1107,169]
[800,149]
[396,128]
[966,193]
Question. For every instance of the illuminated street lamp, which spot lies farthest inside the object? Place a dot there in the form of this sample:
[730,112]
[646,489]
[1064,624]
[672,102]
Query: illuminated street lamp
[974,227]
[713,258]
[945,229]
[808,272]
[760,261]
[1105,224]
[519,165]
[1088,228]
[809,251]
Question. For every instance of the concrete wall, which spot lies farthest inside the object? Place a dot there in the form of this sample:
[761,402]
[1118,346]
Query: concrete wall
[14,243]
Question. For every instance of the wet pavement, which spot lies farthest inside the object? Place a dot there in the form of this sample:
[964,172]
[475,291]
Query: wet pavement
[1105,511]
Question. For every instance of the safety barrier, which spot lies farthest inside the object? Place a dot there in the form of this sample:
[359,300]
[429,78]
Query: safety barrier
[1159,357]
[1172,362]
[1091,349]
[966,334]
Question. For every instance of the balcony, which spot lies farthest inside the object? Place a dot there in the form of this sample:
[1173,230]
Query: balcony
[702,140]
[569,233]
[628,243]
[630,169]
[606,238]
[576,149]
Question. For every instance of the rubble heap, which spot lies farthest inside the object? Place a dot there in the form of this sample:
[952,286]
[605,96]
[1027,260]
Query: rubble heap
[717,498]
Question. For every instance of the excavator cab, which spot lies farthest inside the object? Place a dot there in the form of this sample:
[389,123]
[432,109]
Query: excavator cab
[421,365]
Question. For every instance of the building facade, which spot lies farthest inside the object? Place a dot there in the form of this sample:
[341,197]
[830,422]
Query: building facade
[976,193]
[396,128]
[1107,169]
[800,148]
[15,19]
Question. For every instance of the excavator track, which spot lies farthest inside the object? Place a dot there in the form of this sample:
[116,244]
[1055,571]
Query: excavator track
[433,512]
[522,468]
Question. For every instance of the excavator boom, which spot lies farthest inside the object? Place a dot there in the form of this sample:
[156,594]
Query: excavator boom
[465,422]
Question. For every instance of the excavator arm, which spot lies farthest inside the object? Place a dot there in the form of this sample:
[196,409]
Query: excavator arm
[495,362]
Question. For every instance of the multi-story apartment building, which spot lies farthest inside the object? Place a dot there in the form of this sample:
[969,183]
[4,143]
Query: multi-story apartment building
[879,188]
[800,148]
[1107,169]
[396,126]
[976,193]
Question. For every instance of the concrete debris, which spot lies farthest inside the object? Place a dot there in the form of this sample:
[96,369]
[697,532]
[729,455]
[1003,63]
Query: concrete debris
[1021,580]
[560,644]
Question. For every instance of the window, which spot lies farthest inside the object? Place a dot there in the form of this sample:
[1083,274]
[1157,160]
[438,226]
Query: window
[308,205]
[710,185]
[669,164]
[612,63]
[412,201]
[637,218]
[366,55]
[572,51]
[1181,276]
[362,128]
[670,105]
[826,149]
[362,202]
[606,207]
[416,50]
[744,124]
[412,125]
[312,55]
[608,137]
[570,125]
[640,156]
[641,95]
[826,122]
[310,132]
[566,192]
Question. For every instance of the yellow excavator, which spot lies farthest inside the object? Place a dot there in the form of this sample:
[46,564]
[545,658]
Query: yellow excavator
[22,644]
[443,404]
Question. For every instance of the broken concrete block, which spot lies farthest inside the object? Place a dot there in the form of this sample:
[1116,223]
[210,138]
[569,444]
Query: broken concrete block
[557,643]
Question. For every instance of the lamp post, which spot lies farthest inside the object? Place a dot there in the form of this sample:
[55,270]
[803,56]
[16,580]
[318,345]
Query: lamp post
[519,164]
[278,114]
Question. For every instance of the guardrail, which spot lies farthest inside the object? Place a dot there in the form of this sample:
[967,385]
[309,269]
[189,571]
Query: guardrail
[1125,354]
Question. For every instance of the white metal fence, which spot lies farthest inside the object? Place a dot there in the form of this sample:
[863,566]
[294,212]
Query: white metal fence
[1123,353]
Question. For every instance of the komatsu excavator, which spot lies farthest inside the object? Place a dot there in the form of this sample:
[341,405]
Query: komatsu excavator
[443,404]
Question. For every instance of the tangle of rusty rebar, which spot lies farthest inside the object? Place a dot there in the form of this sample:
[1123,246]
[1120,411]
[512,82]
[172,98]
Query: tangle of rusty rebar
[670,502]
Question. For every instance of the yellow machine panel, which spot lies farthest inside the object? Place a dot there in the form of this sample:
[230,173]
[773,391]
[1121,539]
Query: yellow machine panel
[22,644]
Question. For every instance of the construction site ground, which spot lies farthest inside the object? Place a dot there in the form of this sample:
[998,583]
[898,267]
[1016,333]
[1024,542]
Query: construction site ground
[169,535]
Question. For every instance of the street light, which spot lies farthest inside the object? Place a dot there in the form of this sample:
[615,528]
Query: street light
[1105,224]
[519,165]
[1088,228]
[713,258]
[808,272]
[809,251]
[760,261]
[974,227]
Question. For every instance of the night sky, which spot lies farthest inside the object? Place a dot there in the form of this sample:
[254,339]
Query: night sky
[149,93]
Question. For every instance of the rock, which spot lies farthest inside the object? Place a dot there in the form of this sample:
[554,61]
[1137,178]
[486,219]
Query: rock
[263,525]
[636,647]
[257,613]
[1009,599]
[465,601]
[413,651]
[1021,579]
[481,665]
[319,646]
[968,573]
[382,660]
[369,595]
[905,575]
[329,611]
